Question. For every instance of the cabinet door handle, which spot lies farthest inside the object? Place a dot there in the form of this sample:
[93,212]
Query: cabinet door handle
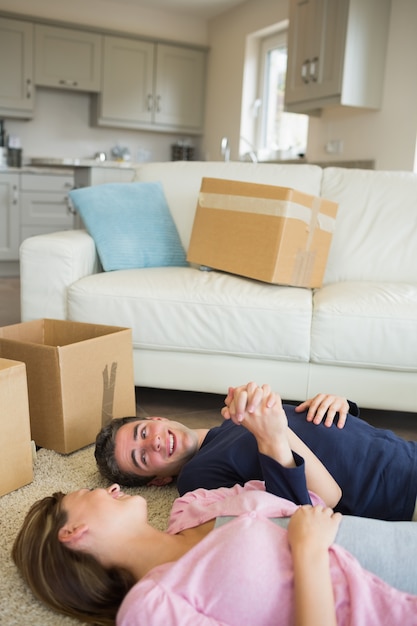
[71,83]
[70,207]
[158,104]
[15,195]
[314,69]
[150,102]
[305,71]
[28,88]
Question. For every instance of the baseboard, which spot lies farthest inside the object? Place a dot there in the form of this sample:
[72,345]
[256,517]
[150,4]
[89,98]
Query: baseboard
[9,268]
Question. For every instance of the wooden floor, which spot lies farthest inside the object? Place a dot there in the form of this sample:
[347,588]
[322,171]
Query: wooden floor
[9,301]
[197,409]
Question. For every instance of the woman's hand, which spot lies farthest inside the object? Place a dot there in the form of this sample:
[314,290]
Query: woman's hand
[313,527]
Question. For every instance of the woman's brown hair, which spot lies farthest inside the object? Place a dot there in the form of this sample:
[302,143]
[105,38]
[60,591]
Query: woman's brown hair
[71,582]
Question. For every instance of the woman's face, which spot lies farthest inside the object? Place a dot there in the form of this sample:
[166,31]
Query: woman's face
[104,510]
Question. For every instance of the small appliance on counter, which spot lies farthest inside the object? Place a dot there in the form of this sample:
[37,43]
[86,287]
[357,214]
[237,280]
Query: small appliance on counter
[14,152]
[181,151]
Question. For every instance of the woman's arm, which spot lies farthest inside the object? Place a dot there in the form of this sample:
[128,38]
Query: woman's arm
[261,412]
[319,480]
[311,531]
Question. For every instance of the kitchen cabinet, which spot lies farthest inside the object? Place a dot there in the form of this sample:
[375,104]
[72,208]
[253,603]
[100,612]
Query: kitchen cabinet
[179,87]
[67,58]
[336,54]
[151,86]
[89,176]
[9,217]
[16,70]
[44,203]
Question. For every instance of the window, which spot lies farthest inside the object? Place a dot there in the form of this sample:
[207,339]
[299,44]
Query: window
[279,134]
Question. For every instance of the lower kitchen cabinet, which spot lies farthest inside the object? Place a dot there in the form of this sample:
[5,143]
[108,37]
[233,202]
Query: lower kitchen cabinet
[44,203]
[9,217]
[89,176]
[32,204]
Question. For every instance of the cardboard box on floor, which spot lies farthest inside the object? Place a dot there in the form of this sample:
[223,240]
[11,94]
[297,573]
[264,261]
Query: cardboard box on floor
[273,234]
[16,463]
[79,377]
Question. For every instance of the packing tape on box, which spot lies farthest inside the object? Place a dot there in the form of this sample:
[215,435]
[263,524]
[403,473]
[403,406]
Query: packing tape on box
[305,259]
[314,222]
[303,268]
[269,206]
[109,383]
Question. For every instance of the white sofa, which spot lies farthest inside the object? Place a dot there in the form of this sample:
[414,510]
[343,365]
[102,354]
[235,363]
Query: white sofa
[203,331]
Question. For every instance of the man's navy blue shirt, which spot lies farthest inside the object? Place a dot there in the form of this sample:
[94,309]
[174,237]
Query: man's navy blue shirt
[376,469]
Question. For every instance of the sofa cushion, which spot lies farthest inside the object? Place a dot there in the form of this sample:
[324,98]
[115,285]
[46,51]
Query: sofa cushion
[131,225]
[185,309]
[375,238]
[364,324]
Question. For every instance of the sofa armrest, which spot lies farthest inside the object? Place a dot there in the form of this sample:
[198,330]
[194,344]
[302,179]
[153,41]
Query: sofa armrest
[49,264]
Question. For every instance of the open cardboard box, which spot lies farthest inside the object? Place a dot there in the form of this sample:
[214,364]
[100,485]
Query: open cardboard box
[273,234]
[79,377]
[16,462]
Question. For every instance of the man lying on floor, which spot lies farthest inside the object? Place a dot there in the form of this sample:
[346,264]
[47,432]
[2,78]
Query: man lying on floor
[375,469]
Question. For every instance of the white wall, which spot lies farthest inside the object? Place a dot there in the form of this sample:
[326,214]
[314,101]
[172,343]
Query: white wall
[227,41]
[61,129]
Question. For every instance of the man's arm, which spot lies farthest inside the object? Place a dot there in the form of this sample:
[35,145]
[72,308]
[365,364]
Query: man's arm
[261,412]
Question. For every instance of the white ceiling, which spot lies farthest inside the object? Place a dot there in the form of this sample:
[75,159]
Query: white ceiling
[204,9]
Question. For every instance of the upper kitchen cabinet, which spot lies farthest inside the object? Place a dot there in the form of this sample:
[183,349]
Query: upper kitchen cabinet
[67,59]
[179,87]
[336,54]
[126,97]
[16,69]
[151,86]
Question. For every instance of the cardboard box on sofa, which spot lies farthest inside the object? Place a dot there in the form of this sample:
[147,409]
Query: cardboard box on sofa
[79,377]
[16,463]
[273,234]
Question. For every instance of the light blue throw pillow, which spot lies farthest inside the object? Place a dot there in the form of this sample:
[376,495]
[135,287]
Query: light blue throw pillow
[131,225]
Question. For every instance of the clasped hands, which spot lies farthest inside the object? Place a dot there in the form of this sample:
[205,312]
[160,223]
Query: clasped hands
[252,400]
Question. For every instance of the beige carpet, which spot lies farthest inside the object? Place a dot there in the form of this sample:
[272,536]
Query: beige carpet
[54,472]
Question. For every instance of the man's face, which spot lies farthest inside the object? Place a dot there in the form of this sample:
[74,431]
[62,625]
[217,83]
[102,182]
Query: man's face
[154,447]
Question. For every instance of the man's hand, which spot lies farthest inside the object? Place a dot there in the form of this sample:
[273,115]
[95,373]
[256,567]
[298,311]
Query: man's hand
[321,404]
[260,411]
[246,399]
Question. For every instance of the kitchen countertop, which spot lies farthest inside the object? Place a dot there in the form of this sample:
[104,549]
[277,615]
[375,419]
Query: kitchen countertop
[29,169]
[63,166]
[56,162]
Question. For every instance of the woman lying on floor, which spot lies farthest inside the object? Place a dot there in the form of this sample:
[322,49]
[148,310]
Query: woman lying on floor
[88,553]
